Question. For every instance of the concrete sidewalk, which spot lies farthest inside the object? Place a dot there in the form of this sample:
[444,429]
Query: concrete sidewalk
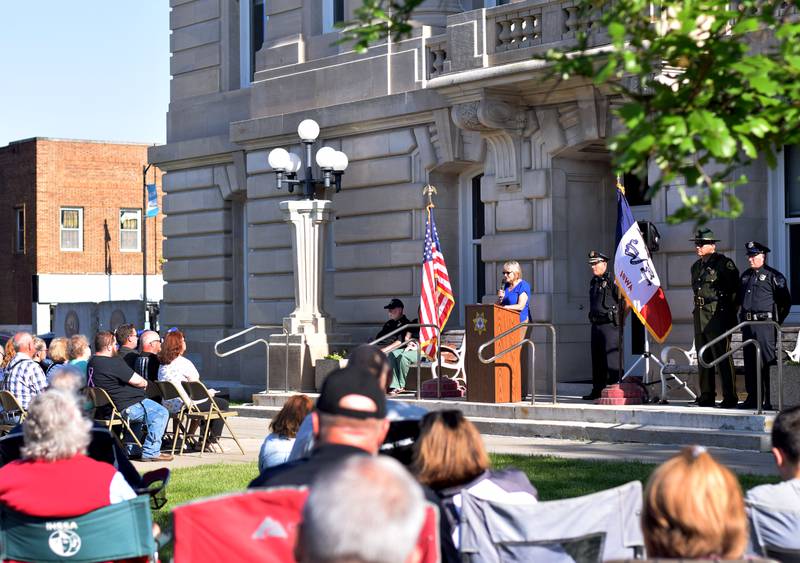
[251,433]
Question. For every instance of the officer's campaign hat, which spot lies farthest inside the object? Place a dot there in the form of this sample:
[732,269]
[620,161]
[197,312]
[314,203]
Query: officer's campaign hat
[394,304]
[753,248]
[595,257]
[706,236]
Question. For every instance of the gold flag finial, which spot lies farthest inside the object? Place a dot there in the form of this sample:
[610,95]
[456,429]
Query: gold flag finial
[620,185]
[429,190]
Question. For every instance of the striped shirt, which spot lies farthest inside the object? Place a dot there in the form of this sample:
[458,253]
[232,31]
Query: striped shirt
[24,379]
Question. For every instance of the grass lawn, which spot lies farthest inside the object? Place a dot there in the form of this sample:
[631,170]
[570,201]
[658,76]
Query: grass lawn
[555,478]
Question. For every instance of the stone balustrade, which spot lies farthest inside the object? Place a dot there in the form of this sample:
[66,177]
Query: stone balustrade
[436,55]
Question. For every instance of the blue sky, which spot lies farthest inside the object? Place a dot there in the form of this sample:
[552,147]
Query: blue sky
[85,69]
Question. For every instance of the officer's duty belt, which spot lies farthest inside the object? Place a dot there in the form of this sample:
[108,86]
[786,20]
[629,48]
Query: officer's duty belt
[700,301]
[756,316]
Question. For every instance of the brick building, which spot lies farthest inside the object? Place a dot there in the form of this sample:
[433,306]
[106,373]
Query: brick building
[71,230]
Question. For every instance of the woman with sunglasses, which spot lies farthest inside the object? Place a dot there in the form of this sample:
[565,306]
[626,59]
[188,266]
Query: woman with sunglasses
[449,457]
[516,292]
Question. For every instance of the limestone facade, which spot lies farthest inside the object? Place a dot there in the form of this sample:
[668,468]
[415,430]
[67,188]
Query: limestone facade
[463,105]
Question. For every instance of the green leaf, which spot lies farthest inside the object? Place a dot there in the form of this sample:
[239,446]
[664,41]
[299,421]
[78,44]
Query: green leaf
[643,144]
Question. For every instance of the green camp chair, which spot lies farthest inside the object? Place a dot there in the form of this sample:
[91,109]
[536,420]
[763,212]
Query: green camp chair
[117,531]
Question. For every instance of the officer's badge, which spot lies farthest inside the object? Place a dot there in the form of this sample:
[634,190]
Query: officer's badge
[731,265]
[479,322]
[762,277]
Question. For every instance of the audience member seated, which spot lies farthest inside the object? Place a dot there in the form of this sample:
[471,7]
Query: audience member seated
[450,458]
[400,352]
[40,354]
[79,352]
[278,444]
[127,389]
[367,510]
[782,500]
[127,340]
[58,357]
[148,363]
[8,355]
[103,446]
[372,360]
[349,419]
[693,509]
[177,368]
[55,478]
[23,376]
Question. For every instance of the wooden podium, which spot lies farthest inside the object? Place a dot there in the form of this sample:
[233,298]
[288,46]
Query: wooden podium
[501,381]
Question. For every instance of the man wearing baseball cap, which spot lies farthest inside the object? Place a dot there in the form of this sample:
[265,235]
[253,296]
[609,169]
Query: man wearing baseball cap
[763,296]
[349,419]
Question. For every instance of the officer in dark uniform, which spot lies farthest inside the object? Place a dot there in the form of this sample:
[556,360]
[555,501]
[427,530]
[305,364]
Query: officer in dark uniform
[397,318]
[715,282]
[604,310]
[763,295]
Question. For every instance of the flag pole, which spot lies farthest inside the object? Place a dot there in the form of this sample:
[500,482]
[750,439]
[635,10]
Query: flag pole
[620,312]
[430,190]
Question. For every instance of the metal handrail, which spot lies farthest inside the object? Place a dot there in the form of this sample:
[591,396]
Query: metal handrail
[419,352]
[532,378]
[754,342]
[253,343]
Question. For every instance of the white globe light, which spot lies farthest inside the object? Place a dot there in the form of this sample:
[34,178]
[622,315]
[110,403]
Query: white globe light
[308,130]
[326,157]
[278,159]
[339,161]
[294,163]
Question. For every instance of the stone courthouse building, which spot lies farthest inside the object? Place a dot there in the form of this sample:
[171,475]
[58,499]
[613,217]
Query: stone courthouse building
[520,163]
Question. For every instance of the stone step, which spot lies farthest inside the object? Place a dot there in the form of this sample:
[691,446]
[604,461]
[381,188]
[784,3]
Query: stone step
[570,410]
[633,433]
[592,431]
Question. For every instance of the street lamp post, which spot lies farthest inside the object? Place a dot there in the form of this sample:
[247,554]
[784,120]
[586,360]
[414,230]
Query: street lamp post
[286,165]
[309,328]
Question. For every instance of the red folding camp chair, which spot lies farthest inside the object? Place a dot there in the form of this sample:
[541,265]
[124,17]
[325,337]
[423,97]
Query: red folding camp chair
[259,525]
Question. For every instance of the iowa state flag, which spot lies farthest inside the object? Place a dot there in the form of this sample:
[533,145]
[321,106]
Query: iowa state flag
[635,274]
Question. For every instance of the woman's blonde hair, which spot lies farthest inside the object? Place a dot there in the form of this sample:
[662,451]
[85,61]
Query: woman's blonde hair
[693,509]
[58,350]
[77,345]
[449,451]
[513,266]
[8,353]
[55,427]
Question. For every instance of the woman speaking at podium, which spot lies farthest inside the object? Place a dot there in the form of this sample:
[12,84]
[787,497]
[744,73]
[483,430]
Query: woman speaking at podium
[515,293]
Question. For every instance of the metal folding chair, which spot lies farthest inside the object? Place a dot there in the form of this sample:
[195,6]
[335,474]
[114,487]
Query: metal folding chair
[12,414]
[197,391]
[100,399]
[168,390]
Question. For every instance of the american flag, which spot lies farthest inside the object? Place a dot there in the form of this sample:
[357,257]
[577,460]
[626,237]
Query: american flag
[436,298]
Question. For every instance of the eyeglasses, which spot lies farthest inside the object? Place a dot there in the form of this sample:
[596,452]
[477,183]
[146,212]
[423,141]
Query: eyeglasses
[451,418]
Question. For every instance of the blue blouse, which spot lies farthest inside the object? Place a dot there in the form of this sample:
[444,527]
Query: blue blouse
[512,298]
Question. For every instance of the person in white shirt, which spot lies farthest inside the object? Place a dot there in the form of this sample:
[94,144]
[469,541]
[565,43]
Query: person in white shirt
[177,368]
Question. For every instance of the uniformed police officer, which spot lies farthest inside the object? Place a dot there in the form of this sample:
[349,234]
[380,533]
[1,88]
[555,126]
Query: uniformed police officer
[397,318]
[604,310]
[715,281]
[763,295]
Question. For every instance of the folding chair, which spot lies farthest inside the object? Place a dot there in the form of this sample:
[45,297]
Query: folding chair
[587,529]
[114,532]
[168,390]
[259,525]
[8,418]
[774,532]
[197,391]
[100,399]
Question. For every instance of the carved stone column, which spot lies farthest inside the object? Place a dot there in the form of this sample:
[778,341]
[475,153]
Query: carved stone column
[307,219]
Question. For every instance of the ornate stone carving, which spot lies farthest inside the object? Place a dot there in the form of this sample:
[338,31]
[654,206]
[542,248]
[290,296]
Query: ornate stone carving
[502,125]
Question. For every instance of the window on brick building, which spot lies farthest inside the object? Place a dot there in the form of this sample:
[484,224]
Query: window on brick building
[19,230]
[130,224]
[72,229]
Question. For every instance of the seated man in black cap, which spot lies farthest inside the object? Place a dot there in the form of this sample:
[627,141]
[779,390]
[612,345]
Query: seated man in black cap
[401,355]
[604,306]
[349,419]
[763,296]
